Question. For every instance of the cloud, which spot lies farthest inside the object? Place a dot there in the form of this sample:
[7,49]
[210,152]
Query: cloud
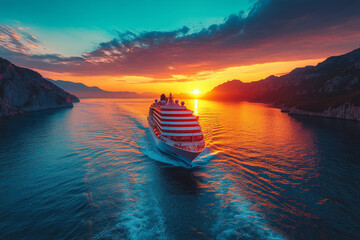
[17,40]
[200,76]
[272,30]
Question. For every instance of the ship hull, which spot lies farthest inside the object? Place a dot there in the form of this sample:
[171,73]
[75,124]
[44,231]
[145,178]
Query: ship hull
[181,154]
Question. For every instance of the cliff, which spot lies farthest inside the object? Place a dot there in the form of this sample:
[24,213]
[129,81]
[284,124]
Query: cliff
[23,90]
[329,89]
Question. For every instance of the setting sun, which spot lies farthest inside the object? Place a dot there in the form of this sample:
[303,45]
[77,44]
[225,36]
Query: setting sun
[196,91]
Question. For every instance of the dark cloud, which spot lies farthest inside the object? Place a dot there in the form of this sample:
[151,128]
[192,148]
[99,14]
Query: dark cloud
[276,30]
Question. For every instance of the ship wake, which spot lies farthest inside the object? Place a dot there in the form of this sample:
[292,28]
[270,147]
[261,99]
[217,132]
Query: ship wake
[147,147]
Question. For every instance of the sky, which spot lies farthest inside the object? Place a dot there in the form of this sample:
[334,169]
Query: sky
[174,46]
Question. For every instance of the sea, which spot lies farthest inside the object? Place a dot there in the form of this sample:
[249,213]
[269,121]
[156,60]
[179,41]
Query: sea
[93,172]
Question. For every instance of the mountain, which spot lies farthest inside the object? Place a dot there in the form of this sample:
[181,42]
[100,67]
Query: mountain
[330,89]
[83,91]
[24,90]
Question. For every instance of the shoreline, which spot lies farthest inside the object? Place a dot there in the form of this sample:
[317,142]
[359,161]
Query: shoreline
[343,112]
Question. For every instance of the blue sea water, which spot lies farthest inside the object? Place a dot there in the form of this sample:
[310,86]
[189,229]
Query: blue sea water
[93,172]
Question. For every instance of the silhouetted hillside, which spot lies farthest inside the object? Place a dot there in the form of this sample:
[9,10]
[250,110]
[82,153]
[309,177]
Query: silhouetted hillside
[332,84]
[83,91]
[24,90]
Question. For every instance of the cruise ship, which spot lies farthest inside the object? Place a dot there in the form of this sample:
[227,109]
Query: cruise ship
[175,129]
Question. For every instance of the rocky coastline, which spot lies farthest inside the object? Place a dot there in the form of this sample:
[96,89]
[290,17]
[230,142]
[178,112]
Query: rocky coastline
[23,90]
[346,112]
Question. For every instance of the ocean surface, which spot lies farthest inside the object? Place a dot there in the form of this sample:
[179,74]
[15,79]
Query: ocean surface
[93,172]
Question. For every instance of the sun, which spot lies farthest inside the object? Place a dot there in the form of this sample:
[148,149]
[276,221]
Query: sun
[196,91]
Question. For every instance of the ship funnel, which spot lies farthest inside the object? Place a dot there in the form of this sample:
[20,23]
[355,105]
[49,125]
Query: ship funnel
[171,99]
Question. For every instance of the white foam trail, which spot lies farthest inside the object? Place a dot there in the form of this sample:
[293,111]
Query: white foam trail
[141,216]
[236,217]
[204,157]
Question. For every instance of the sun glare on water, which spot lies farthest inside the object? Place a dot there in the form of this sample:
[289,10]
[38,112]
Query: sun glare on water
[196,91]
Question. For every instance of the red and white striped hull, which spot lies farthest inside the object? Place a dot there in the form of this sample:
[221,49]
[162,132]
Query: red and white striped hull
[167,147]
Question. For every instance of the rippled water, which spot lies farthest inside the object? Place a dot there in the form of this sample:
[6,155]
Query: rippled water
[92,172]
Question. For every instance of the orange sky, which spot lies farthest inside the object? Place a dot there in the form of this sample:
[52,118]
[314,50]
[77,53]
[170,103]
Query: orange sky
[203,80]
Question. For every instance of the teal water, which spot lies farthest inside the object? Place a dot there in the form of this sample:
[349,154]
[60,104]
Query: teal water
[92,172]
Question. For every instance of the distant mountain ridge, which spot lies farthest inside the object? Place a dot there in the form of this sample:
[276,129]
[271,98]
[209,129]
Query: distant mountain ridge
[83,91]
[331,89]
[24,90]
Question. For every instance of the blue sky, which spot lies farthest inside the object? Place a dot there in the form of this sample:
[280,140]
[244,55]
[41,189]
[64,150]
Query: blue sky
[123,15]
[72,27]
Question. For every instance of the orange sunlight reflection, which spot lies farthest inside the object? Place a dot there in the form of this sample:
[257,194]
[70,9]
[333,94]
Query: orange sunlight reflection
[263,153]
